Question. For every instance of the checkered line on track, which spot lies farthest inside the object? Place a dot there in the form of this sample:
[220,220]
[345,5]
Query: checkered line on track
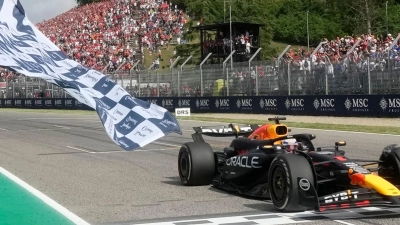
[282,218]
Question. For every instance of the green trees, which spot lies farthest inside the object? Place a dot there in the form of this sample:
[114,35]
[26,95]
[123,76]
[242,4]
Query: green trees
[286,20]
[84,2]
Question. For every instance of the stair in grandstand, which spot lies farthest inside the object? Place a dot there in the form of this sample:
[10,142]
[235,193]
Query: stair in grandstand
[134,42]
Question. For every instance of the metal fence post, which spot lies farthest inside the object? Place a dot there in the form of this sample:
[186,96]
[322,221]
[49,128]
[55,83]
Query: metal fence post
[109,64]
[130,80]
[326,75]
[201,73]
[130,75]
[94,65]
[250,60]
[389,50]
[227,80]
[139,84]
[369,75]
[40,86]
[26,89]
[180,74]
[289,85]
[224,66]
[158,84]
[171,69]
[119,67]
[280,56]
[312,55]
[179,90]
[134,65]
[326,79]
[148,73]
[353,47]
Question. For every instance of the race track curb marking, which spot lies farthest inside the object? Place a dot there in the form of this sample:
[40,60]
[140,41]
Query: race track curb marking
[35,207]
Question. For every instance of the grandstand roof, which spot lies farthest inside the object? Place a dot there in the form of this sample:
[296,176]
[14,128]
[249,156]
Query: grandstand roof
[239,25]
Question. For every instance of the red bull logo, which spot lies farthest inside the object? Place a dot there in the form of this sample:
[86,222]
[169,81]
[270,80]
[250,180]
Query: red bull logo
[357,178]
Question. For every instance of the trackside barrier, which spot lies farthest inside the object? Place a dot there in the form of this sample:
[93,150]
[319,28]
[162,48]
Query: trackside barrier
[311,105]
[44,103]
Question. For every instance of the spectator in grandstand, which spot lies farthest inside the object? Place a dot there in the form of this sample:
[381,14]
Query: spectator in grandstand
[95,34]
[159,22]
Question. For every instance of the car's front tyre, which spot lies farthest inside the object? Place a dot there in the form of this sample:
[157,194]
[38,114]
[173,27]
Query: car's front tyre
[283,177]
[389,167]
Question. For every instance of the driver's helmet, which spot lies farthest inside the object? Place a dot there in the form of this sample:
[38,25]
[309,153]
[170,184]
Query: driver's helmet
[290,144]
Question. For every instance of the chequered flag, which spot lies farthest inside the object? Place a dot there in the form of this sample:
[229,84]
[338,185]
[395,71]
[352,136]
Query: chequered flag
[130,122]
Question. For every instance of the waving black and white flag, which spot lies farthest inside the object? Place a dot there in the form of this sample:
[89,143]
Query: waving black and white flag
[130,122]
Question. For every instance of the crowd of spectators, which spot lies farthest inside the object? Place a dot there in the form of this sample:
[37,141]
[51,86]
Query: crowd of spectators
[6,74]
[101,34]
[242,42]
[108,34]
[375,47]
[159,24]
[345,62]
[98,34]
[95,35]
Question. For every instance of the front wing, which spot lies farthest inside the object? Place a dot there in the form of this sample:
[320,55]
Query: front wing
[351,198]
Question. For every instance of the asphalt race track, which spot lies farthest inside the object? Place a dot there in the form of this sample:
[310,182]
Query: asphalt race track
[72,160]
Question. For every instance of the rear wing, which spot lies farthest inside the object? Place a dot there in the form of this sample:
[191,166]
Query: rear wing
[226,131]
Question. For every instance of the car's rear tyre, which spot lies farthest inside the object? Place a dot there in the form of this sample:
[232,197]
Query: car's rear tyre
[283,184]
[196,164]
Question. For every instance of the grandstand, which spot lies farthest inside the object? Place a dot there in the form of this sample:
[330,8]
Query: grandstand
[345,62]
[112,34]
[114,31]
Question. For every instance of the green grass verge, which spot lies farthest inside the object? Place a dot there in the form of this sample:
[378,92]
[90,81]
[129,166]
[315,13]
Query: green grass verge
[280,46]
[166,54]
[322,126]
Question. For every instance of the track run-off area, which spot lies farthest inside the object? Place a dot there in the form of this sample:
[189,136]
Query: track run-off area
[64,169]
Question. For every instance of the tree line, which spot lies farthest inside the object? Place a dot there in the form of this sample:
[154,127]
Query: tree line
[286,20]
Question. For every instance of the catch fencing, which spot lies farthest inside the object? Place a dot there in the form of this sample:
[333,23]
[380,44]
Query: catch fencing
[347,76]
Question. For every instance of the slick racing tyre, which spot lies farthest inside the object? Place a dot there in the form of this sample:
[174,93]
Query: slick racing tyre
[389,167]
[196,164]
[283,184]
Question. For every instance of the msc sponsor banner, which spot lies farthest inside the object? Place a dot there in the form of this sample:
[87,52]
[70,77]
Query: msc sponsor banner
[28,103]
[267,104]
[312,105]
[315,105]
[388,105]
[9,103]
[43,103]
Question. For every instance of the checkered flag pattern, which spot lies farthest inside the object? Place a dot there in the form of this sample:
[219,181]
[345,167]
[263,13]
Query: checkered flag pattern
[131,123]
[275,218]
